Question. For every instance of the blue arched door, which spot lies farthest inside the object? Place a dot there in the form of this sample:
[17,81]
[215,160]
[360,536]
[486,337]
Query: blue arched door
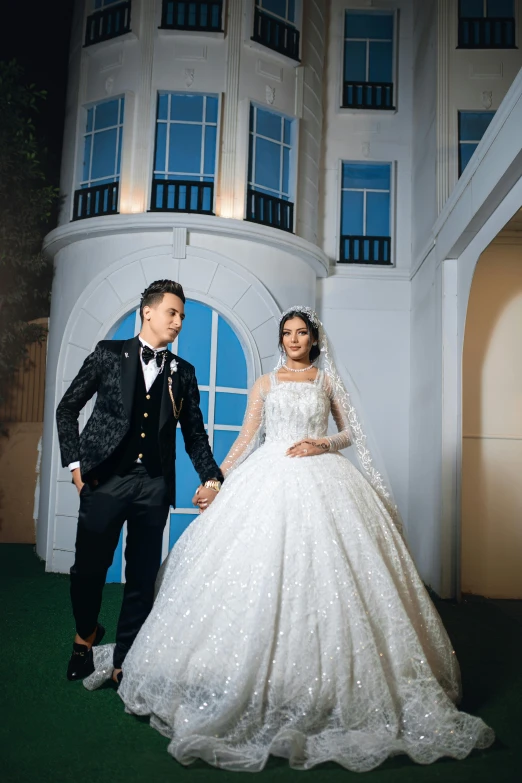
[209,343]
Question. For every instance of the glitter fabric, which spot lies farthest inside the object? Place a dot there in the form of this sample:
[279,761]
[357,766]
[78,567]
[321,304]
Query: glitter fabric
[290,619]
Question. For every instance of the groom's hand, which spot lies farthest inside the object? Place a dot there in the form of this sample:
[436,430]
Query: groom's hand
[77,478]
[204,497]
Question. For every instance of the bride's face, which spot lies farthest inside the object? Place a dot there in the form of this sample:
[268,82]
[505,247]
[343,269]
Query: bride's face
[296,340]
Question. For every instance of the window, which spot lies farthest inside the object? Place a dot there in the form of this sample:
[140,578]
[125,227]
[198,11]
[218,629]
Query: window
[209,343]
[196,15]
[472,126]
[110,19]
[270,164]
[366,213]
[368,60]
[274,26]
[185,155]
[102,140]
[486,24]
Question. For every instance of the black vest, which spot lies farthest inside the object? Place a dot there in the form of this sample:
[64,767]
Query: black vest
[141,441]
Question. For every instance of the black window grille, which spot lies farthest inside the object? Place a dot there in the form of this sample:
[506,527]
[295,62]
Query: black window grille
[368,95]
[365,250]
[269,210]
[95,201]
[110,22]
[276,34]
[182,196]
[486,33]
[197,15]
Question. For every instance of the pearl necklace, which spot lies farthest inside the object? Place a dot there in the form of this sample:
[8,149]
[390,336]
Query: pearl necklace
[303,369]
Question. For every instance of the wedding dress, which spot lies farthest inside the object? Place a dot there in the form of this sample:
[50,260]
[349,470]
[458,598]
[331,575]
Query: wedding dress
[290,619]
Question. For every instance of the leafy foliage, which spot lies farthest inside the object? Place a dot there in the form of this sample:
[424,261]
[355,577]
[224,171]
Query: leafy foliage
[26,206]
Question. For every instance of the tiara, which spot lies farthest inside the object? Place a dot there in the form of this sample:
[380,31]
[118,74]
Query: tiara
[311,314]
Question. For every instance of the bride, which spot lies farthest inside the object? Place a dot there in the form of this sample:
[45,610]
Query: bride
[290,619]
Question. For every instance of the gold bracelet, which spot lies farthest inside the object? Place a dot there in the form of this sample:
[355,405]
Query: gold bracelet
[213,484]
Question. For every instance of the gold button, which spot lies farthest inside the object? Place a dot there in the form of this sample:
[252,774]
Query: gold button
[142,434]
[140,456]
[148,396]
[146,415]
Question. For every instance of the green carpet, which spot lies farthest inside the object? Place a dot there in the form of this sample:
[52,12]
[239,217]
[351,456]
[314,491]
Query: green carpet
[54,731]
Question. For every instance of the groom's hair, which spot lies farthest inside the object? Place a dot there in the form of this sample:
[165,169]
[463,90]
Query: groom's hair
[155,292]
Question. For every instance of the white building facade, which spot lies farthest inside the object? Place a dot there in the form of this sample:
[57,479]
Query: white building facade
[357,157]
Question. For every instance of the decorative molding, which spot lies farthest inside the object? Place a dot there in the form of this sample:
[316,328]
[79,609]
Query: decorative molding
[189,75]
[483,71]
[231,105]
[179,242]
[365,149]
[109,85]
[190,52]
[390,273]
[115,61]
[446,12]
[269,70]
[486,98]
[299,92]
[270,94]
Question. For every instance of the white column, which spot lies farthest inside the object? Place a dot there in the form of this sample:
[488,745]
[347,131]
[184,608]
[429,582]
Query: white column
[445,179]
[228,206]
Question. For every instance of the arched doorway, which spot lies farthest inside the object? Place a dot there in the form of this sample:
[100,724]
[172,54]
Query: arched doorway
[491,528]
[209,343]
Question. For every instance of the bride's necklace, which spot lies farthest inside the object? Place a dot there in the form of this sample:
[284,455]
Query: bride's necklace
[303,369]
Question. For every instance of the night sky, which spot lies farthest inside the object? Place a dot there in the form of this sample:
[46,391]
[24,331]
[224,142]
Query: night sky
[36,34]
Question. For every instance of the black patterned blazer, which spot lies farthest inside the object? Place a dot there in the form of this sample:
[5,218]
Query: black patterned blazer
[110,372]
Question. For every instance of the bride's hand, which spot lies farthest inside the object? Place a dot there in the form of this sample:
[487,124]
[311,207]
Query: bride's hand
[309,448]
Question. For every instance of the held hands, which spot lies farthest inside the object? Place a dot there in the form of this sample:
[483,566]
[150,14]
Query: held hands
[309,448]
[77,479]
[203,498]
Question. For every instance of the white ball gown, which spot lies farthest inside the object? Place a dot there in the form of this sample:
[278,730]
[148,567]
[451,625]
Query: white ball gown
[290,618]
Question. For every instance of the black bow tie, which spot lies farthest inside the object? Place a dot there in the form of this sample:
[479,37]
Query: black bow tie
[147,354]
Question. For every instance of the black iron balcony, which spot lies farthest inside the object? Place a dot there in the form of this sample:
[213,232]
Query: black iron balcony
[96,201]
[182,196]
[110,22]
[195,16]
[486,33]
[276,34]
[368,95]
[269,210]
[365,250]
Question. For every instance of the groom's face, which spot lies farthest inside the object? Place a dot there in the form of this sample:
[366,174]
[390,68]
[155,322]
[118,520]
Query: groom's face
[165,320]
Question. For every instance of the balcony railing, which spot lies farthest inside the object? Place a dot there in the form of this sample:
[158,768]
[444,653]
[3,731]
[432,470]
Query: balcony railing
[182,196]
[110,22]
[368,95]
[486,33]
[95,201]
[276,34]
[365,250]
[269,210]
[196,16]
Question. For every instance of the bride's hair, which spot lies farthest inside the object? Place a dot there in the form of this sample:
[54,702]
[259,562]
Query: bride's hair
[313,331]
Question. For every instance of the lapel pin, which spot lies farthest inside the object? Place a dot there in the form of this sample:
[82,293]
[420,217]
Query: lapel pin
[126,355]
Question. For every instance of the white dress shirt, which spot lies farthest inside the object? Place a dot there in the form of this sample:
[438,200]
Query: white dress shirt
[150,373]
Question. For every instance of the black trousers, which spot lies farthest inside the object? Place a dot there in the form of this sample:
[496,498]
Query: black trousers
[143,502]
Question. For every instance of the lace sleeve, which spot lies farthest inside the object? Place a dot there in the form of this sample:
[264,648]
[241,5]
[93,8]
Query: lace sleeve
[340,415]
[249,437]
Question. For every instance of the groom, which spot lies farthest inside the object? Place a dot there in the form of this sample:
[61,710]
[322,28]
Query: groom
[123,465]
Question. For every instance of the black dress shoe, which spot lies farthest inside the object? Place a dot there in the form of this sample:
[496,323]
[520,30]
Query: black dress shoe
[81,662]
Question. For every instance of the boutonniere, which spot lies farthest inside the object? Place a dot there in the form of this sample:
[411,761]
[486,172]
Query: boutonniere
[173,366]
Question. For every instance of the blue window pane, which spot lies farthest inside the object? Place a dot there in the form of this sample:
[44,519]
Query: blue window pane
[194,340]
[473,124]
[291,11]
[231,364]
[471,8]
[381,59]
[212,109]
[287,138]
[466,152]
[163,107]
[286,170]
[122,110]
[87,159]
[118,156]
[210,149]
[252,118]
[178,524]
[223,441]
[275,7]
[106,115]
[161,147]
[501,8]
[186,107]
[250,157]
[230,408]
[269,124]
[352,213]
[114,572]
[185,148]
[268,164]
[126,328]
[90,115]
[362,25]
[366,175]
[378,214]
[186,477]
[104,154]
[355,61]
[203,404]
